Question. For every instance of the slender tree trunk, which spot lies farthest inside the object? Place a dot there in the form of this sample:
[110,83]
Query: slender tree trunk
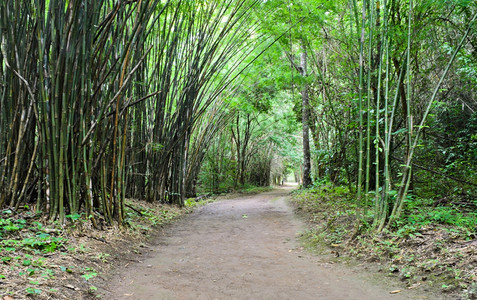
[305,121]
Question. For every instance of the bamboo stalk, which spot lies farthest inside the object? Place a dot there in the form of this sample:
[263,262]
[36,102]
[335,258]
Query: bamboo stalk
[360,108]
[398,205]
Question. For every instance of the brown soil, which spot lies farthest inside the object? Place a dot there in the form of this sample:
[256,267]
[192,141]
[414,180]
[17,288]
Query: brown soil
[81,260]
[243,248]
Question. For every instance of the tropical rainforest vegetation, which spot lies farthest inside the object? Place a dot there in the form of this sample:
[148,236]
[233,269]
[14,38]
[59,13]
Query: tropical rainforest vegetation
[164,100]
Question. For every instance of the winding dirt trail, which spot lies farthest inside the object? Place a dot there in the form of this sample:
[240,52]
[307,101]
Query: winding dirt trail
[242,248]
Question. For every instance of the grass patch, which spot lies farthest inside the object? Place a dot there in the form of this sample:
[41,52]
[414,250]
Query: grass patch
[251,190]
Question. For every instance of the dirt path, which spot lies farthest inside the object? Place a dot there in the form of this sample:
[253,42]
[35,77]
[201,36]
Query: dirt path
[243,248]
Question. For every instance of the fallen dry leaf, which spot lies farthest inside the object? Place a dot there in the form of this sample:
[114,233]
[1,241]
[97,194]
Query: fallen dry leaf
[415,285]
[69,286]
[8,298]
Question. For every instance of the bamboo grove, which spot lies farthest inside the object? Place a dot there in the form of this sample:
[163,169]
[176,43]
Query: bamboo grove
[386,79]
[159,100]
[386,92]
[412,135]
[102,100]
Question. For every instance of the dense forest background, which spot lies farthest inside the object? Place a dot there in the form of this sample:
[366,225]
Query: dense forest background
[164,100]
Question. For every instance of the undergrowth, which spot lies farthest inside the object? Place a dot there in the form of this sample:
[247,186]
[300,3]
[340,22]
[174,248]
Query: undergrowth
[48,261]
[251,189]
[429,244]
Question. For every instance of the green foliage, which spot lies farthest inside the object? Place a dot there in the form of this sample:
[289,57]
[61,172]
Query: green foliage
[251,189]
[40,241]
[44,242]
[422,215]
[197,202]
[454,153]
[257,149]
[11,225]
[330,208]
[321,199]
[74,217]
[89,273]
[165,126]
[66,269]
[425,241]
[33,291]
[103,257]
[142,219]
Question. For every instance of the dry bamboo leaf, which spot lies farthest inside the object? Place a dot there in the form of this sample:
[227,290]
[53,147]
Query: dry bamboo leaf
[69,286]
[415,285]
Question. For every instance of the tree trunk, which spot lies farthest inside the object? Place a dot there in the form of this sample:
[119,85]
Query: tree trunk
[305,117]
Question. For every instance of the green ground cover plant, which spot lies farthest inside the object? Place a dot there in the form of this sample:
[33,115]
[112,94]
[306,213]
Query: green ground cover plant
[429,245]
